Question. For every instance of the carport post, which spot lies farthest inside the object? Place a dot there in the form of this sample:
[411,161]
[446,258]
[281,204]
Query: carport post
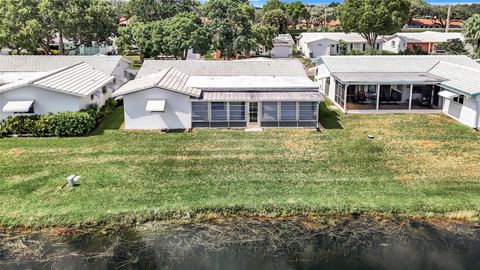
[410,98]
[378,97]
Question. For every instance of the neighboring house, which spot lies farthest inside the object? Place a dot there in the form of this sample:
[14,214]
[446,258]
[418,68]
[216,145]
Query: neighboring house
[116,66]
[71,88]
[25,73]
[428,41]
[224,94]
[314,45]
[283,46]
[93,49]
[379,84]
[433,23]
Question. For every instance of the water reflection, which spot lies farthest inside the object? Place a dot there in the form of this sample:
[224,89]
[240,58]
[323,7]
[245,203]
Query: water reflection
[342,243]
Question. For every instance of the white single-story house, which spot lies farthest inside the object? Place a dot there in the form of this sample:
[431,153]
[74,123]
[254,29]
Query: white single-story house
[395,84]
[71,88]
[26,78]
[170,94]
[427,40]
[14,67]
[314,45]
[283,46]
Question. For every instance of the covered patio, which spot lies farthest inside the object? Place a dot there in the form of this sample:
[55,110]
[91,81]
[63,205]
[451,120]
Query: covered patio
[387,91]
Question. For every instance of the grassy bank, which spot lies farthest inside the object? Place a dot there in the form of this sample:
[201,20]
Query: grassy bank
[417,165]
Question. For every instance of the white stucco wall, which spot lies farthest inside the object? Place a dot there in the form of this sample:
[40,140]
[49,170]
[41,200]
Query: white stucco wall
[282,51]
[324,48]
[394,45]
[46,101]
[466,113]
[177,115]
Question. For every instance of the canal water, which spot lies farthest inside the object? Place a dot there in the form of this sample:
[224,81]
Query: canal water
[302,243]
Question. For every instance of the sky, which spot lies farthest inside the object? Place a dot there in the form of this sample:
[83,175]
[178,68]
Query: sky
[438,2]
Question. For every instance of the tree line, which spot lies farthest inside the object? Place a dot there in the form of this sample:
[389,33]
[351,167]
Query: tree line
[234,28]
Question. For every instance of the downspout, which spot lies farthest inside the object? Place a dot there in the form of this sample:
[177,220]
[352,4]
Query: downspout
[477,118]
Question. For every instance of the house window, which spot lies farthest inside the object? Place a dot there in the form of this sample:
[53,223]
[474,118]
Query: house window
[378,46]
[199,111]
[237,111]
[269,111]
[393,44]
[351,46]
[92,97]
[219,111]
[459,99]
[364,47]
[288,111]
[104,90]
[308,111]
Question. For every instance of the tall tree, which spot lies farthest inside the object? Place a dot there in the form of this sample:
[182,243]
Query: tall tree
[146,38]
[153,10]
[319,14]
[264,35]
[297,11]
[183,32]
[372,18]
[230,26]
[80,21]
[272,5]
[22,27]
[276,18]
[471,30]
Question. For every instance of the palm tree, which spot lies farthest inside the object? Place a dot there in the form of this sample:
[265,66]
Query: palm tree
[471,30]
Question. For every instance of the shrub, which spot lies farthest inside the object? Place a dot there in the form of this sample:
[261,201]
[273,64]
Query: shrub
[70,124]
[58,124]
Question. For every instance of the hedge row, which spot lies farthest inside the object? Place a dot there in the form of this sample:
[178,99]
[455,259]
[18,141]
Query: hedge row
[65,124]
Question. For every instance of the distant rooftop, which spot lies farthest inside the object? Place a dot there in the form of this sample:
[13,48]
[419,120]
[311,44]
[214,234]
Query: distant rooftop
[427,36]
[391,63]
[309,37]
[250,67]
[46,63]
[284,38]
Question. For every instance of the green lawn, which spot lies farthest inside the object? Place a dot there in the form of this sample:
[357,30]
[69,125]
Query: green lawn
[425,165]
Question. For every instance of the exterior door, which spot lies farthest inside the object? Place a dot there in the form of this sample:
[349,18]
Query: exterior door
[436,97]
[253,112]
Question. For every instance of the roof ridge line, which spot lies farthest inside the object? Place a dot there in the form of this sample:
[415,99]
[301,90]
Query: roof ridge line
[163,76]
[53,72]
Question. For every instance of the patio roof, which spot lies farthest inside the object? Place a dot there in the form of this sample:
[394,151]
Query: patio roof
[387,78]
[261,96]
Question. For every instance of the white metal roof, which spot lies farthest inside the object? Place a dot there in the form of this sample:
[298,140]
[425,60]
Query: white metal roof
[277,67]
[17,106]
[427,36]
[262,96]
[390,63]
[309,37]
[80,79]
[251,82]
[284,38]
[168,78]
[387,77]
[45,63]
[459,78]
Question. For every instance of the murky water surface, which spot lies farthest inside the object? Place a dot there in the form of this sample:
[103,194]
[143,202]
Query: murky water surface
[341,243]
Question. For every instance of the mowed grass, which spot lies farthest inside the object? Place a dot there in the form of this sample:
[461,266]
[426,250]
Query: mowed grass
[417,165]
